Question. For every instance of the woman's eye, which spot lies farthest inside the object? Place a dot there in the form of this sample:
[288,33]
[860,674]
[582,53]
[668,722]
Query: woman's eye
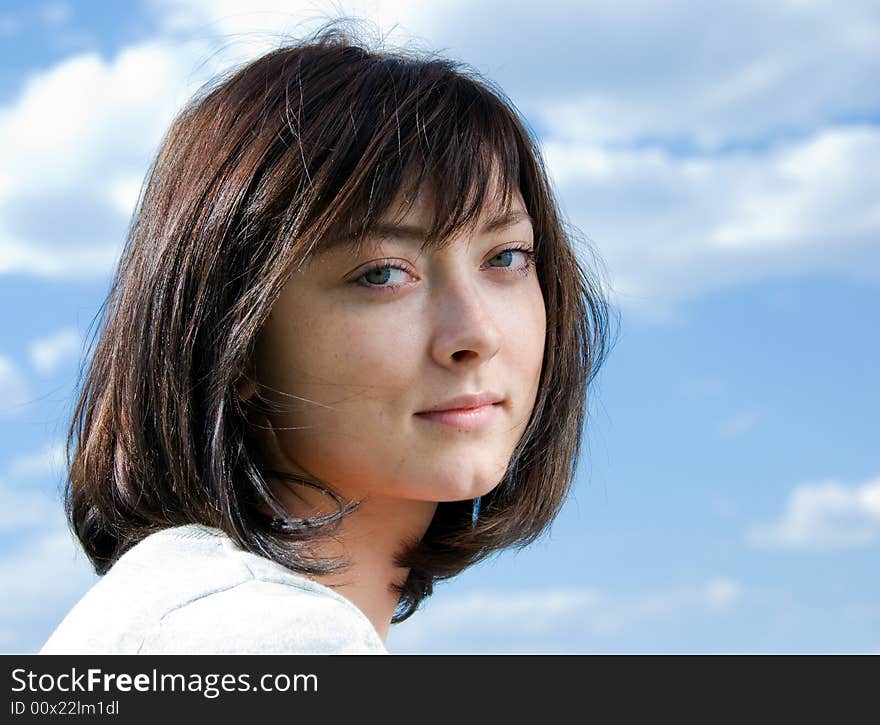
[381,276]
[506,257]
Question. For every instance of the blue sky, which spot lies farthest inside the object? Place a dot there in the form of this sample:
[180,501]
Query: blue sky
[724,167]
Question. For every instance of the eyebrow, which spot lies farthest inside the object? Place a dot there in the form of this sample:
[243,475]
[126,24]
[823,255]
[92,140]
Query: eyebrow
[406,231]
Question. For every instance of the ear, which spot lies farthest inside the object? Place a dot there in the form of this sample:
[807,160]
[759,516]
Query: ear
[269,445]
[246,387]
[263,428]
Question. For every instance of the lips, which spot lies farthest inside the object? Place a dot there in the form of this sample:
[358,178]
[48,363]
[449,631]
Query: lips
[465,402]
[469,412]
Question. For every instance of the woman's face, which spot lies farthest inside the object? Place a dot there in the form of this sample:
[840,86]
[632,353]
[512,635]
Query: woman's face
[362,345]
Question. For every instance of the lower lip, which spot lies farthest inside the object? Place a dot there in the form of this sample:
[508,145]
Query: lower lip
[463,418]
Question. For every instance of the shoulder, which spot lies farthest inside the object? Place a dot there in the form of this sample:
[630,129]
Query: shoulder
[190,589]
[263,617]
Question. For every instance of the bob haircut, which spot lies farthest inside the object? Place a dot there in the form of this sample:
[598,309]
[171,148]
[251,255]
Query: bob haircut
[302,148]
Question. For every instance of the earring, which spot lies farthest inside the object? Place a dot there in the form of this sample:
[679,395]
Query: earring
[476,511]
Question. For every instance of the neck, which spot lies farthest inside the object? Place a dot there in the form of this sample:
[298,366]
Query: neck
[368,540]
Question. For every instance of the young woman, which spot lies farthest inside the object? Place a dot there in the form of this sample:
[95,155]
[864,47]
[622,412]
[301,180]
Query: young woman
[345,355]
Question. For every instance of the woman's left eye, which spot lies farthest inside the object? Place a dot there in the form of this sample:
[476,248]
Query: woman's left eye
[506,255]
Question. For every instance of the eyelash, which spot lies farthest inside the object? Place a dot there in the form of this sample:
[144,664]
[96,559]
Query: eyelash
[522,271]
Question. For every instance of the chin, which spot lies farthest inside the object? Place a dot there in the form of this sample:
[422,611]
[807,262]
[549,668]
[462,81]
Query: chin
[464,488]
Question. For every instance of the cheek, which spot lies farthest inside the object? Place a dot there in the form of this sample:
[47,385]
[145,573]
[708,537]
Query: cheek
[380,344]
[366,350]
[354,351]
[525,334]
[356,371]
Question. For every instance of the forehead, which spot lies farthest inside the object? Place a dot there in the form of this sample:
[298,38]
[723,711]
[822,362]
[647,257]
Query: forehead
[410,219]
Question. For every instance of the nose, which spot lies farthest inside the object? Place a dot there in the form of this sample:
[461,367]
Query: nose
[466,328]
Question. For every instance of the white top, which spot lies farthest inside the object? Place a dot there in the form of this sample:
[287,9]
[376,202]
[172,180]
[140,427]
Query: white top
[191,590]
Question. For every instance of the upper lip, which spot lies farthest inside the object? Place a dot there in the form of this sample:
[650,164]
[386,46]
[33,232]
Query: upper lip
[463,402]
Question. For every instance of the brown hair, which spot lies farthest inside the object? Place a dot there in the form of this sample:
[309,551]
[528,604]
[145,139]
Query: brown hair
[303,146]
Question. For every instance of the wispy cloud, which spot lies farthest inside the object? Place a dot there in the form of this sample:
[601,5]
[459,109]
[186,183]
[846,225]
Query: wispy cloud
[739,424]
[49,352]
[14,389]
[43,570]
[47,461]
[56,13]
[563,619]
[750,75]
[42,577]
[824,516]
[25,507]
[30,490]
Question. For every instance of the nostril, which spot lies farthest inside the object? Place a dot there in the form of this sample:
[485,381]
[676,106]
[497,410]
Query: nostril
[462,354]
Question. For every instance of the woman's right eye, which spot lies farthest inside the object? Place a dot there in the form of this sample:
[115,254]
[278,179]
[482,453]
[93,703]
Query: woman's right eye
[378,277]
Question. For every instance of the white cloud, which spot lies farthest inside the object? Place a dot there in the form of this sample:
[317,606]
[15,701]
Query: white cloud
[673,228]
[256,27]
[25,507]
[89,169]
[67,189]
[14,390]
[824,516]
[43,570]
[48,352]
[48,461]
[39,260]
[611,73]
[30,488]
[749,70]
[34,565]
[125,192]
[561,619]
[764,181]
[42,578]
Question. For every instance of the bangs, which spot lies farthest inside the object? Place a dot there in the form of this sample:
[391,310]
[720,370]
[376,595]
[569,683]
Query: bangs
[422,129]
